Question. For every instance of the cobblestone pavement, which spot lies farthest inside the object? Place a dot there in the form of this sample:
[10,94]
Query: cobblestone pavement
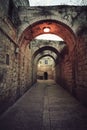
[46,106]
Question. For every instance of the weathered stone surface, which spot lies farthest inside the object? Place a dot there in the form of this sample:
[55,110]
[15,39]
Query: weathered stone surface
[72,16]
[18,74]
[21,2]
[4,7]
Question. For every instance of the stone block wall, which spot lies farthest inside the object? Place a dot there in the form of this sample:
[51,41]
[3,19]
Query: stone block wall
[71,72]
[8,72]
[81,67]
[15,67]
[15,72]
[4,4]
[65,74]
[25,70]
[48,69]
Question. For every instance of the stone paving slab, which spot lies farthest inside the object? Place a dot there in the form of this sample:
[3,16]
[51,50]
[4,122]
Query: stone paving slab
[46,106]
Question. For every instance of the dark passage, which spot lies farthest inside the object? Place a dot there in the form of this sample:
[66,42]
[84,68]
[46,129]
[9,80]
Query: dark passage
[45,75]
[46,106]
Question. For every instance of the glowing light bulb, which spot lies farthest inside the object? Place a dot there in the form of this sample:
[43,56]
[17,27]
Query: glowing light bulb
[46,29]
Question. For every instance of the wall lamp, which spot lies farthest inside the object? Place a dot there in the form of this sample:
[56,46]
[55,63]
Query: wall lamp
[46,29]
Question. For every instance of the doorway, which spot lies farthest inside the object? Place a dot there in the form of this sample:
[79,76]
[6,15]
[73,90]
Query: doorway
[45,75]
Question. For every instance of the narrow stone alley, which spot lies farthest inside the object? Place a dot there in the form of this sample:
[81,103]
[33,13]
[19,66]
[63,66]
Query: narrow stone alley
[46,106]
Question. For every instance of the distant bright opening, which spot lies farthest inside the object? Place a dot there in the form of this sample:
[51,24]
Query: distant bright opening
[57,2]
[52,37]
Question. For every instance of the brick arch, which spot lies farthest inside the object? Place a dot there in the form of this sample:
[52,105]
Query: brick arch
[56,27]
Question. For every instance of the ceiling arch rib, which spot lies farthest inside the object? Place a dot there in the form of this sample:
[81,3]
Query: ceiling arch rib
[47,52]
[46,48]
[40,57]
[52,55]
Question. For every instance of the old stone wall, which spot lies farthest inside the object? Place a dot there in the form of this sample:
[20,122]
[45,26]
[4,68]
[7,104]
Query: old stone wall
[15,65]
[73,16]
[8,72]
[45,68]
[36,44]
[21,2]
[81,66]
[65,73]
[18,72]
[15,72]
[25,66]
[72,73]
[4,4]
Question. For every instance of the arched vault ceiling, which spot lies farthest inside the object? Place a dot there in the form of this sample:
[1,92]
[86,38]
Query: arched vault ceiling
[40,57]
[56,27]
[36,44]
[46,48]
[46,53]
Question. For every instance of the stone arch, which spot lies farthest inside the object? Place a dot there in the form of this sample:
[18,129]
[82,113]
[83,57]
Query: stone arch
[45,56]
[40,50]
[56,27]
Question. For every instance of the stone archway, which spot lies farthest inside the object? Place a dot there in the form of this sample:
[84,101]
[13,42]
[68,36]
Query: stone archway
[56,27]
[39,54]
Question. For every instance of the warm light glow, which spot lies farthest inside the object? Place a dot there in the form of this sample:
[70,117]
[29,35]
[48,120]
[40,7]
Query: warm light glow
[46,29]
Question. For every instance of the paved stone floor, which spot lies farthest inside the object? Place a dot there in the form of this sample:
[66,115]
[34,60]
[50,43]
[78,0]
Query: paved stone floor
[46,106]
